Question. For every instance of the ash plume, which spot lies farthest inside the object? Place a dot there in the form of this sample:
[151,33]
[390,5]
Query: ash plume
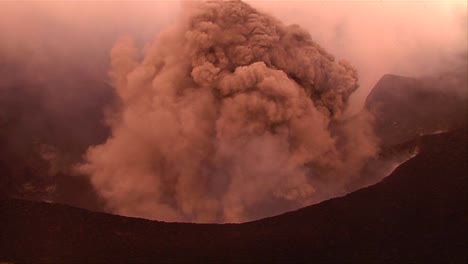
[228,116]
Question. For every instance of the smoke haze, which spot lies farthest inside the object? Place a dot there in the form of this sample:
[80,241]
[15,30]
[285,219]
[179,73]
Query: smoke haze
[54,63]
[215,120]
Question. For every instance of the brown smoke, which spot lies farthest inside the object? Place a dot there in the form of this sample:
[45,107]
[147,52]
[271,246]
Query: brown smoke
[229,116]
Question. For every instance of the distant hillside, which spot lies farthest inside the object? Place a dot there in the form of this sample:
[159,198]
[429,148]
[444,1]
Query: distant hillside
[416,215]
[405,107]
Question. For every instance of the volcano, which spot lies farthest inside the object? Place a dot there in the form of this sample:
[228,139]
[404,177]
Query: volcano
[230,137]
[418,214]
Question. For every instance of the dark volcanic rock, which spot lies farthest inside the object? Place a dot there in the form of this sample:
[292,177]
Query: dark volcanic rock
[405,107]
[416,215]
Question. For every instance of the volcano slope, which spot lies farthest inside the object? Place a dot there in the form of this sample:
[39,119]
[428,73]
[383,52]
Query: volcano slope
[406,107]
[418,214]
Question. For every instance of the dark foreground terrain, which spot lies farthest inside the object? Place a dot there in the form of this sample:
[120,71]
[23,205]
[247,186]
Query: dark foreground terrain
[416,215]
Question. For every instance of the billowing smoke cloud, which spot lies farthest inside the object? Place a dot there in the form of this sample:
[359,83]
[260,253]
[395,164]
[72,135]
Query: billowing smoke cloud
[229,116]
